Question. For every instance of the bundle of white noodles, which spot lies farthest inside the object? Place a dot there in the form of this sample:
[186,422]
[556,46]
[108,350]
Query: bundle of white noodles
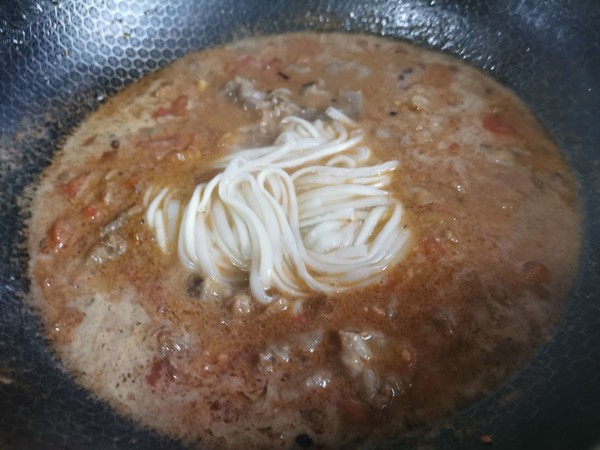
[305,215]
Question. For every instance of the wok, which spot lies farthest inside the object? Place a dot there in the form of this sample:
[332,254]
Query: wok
[59,59]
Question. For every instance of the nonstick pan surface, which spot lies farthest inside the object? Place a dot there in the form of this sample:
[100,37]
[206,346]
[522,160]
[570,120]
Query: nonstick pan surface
[59,59]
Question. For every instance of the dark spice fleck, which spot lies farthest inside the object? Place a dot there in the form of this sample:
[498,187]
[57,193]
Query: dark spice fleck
[115,144]
[392,113]
[283,75]
[304,440]
[309,84]
[407,71]
[194,286]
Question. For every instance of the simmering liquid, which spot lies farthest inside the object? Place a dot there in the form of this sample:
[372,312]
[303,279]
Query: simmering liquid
[489,202]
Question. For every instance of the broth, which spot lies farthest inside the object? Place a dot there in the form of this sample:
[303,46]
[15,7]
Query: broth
[489,202]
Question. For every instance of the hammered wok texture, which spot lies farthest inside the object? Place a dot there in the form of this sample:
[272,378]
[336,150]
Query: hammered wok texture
[59,59]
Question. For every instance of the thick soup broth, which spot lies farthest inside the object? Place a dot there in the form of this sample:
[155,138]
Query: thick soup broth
[489,217]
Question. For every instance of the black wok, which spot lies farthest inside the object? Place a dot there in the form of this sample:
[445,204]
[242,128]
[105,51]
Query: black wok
[60,58]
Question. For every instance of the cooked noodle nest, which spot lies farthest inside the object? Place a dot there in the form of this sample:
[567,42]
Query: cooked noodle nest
[308,214]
